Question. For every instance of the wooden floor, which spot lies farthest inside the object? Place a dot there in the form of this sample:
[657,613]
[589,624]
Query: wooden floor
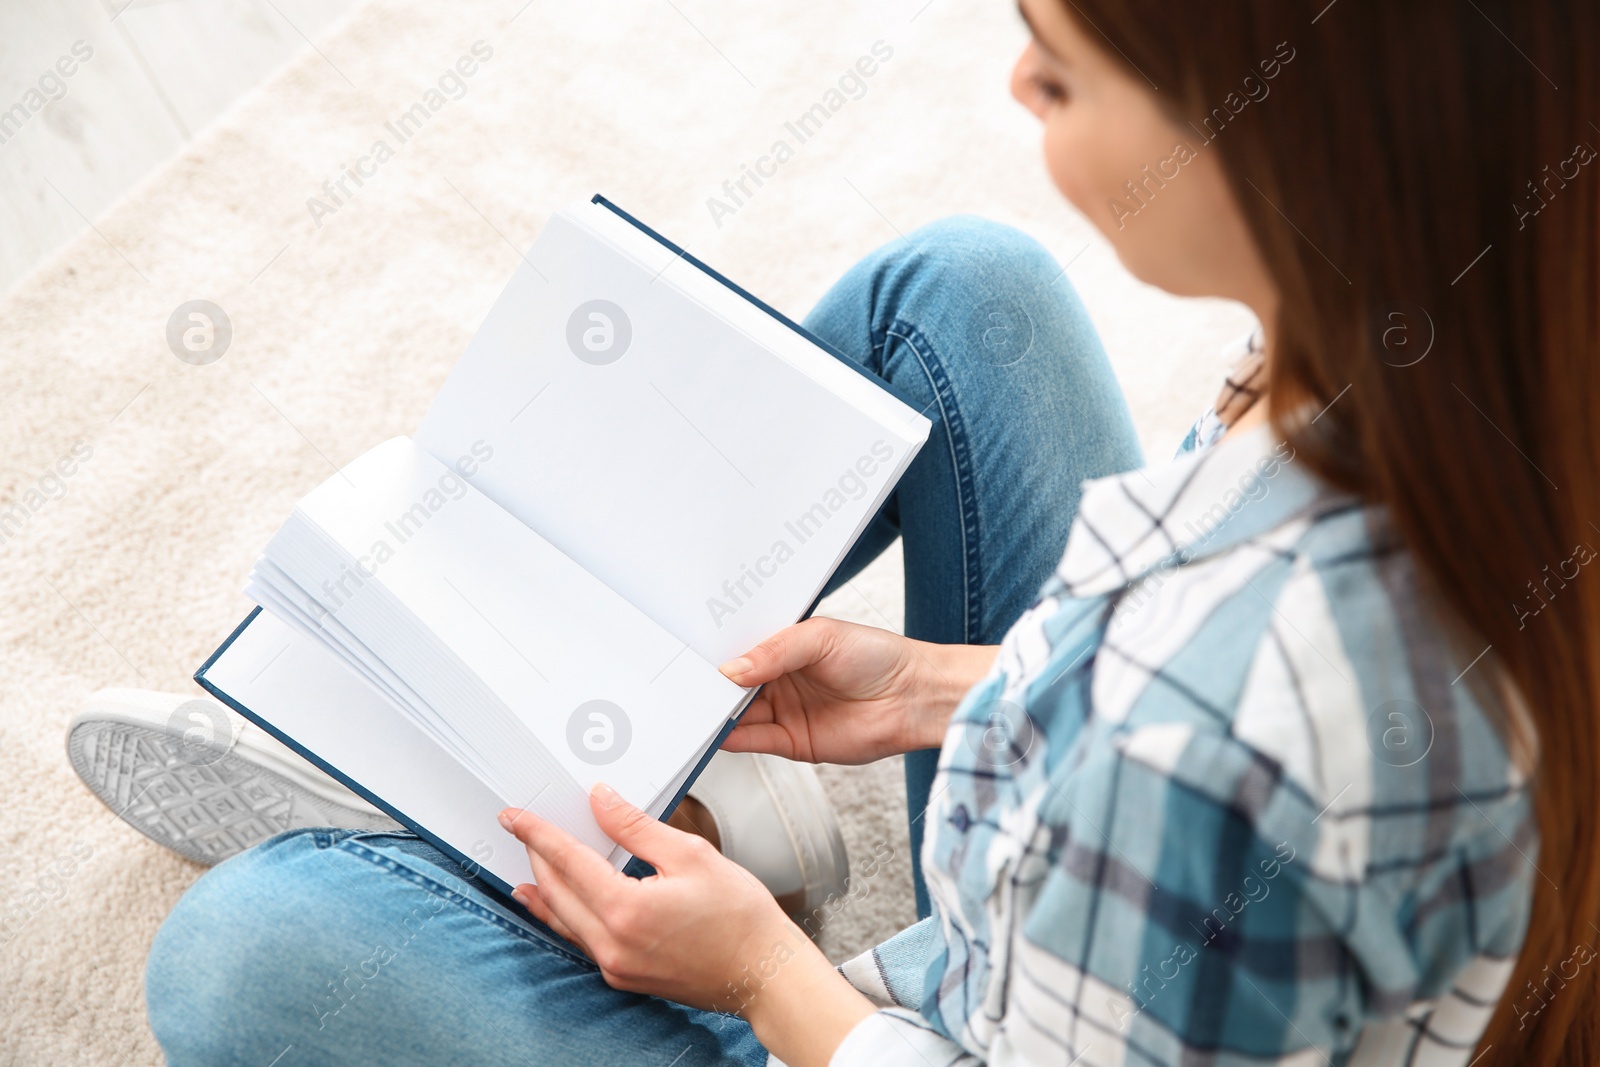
[157,72]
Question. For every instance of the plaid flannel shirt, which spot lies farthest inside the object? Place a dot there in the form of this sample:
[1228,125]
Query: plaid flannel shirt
[1227,797]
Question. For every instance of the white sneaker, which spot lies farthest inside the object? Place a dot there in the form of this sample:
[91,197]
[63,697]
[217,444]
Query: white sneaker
[190,775]
[774,820]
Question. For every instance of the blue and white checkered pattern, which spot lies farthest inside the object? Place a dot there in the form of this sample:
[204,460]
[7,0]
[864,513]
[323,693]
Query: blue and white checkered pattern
[1228,796]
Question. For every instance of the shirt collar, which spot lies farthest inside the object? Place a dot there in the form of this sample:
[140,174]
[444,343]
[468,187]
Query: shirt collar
[1197,505]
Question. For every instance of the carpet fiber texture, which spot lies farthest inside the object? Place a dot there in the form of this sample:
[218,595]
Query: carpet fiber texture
[350,300]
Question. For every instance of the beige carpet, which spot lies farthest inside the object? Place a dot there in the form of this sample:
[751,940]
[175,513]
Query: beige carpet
[127,572]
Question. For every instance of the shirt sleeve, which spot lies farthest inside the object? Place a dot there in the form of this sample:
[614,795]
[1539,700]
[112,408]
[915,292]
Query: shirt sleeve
[1175,925]
[1167,930]
[1225,867]
[899,1036]
[891,975]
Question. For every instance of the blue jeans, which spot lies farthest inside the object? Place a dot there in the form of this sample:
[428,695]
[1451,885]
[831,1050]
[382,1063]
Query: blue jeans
[340,946]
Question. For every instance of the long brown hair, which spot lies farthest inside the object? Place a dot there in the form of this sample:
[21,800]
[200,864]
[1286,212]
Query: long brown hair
[1425,170]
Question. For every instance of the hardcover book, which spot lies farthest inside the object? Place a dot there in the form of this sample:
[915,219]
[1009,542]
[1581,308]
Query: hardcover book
[635,472]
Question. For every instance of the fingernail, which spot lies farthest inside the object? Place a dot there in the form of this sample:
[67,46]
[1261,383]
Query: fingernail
[507,819]
[736,668]
[520,897]
[608,797]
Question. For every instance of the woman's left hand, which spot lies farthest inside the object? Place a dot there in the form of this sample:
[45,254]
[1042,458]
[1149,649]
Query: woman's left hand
[703,931]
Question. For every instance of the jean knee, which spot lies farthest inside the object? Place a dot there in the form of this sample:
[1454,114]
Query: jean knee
[988,300]
[993,297]
[979,253]
[243,935]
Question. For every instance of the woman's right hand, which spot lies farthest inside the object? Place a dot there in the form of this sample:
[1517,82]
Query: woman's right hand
[836,692]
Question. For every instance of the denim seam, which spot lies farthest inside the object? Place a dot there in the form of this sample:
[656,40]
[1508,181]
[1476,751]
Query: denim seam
[956,437]
[439,889]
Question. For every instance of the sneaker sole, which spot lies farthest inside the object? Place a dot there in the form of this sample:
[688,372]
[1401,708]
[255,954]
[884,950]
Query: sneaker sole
[205,807]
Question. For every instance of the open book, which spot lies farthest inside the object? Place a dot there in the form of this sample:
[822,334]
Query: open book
[636,472]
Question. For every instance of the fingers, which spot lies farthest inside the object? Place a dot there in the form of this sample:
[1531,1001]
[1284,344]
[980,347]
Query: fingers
[569,889]
[763,737]
[577,865]
[566,912]
[787,650]
[649,838]
[528,895]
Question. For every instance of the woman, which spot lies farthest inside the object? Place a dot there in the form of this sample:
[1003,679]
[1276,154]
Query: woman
[1293,757]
